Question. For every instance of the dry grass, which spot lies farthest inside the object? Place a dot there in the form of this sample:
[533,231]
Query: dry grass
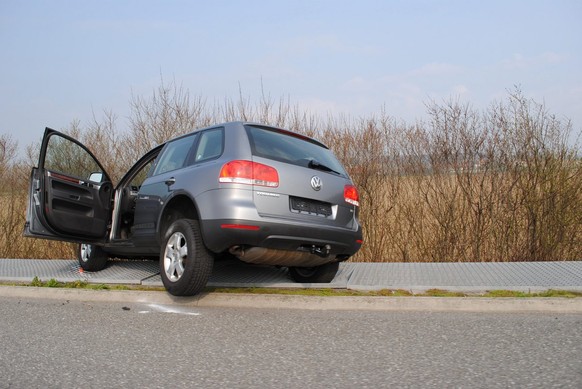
[426,219]
[12,242]
[499,185]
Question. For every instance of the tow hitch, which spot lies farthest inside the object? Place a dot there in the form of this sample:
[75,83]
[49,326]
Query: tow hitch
[321,251]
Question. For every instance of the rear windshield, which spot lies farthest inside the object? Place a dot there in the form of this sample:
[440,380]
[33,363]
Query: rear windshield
[280,146]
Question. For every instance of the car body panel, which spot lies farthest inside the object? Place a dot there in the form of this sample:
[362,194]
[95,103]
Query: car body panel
[295,182]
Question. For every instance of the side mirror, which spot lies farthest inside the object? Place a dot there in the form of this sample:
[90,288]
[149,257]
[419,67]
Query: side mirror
[96,177]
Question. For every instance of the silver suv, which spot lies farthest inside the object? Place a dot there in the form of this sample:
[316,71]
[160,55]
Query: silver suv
[265,195]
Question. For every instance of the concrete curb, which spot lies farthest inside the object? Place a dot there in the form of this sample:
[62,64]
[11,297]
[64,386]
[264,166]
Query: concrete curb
[363,303]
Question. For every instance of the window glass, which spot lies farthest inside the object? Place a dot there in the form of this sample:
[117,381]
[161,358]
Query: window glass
[67,157]
[174,155]
[273,144]
[141,175]
[210,145]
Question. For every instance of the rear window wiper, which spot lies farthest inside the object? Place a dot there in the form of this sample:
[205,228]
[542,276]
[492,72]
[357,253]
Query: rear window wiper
[313,164]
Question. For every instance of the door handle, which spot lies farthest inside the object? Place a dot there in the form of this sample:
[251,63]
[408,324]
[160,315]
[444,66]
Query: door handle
[170,181]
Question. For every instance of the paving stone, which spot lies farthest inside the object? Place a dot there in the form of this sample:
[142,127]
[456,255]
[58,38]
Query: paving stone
[526,276]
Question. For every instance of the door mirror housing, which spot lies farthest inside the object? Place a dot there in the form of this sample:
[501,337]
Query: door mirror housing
[96,177]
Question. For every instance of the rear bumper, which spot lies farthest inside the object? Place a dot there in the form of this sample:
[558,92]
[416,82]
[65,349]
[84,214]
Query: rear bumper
[220,235]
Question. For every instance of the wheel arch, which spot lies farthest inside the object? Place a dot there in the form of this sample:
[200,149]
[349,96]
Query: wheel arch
[179,206]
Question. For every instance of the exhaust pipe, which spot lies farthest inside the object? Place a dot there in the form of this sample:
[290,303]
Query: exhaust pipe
[306,257]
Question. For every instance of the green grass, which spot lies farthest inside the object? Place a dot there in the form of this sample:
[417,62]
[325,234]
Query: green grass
[52,283]
[442,293]
[394,292]
[312,292]
[547,293]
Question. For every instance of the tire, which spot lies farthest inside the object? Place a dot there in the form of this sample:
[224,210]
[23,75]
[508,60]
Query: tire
[91,257]
[185,263]
[319,274]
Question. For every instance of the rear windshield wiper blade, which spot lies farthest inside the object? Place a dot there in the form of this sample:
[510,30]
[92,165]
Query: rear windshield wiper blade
[313,164]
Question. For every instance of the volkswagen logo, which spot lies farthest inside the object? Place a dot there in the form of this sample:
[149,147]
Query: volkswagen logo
[316,183]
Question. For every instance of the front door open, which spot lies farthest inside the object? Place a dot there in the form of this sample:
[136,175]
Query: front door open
[70,193]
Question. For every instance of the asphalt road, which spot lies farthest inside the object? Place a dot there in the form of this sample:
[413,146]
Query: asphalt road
[70,344]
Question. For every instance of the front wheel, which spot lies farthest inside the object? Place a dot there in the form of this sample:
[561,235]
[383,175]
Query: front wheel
[320,274]
[185,263]
[91,257]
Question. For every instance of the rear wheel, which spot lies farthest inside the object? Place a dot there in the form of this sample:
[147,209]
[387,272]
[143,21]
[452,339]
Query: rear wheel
[185,263]
[320,274]
[91,257]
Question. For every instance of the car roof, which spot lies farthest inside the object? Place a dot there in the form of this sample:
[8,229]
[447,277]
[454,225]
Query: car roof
[245,123]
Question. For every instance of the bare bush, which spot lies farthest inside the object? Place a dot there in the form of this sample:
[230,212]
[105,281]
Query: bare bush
[543,184]
[498,186]
[8,148]
[465,185]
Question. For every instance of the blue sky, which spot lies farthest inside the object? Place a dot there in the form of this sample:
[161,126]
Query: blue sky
[65,60]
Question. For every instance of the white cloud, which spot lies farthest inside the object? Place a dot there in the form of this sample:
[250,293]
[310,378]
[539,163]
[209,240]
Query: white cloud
[330,42]
[551,57]
[517,61]
[460,90]
[356,84]
[319,106]
[520,62]
[434,69]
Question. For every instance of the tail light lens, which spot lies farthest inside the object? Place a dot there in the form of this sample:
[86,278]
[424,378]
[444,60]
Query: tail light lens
[351,195]
[250,173]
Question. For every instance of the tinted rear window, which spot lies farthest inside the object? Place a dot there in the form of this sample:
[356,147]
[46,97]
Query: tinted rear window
[280,146]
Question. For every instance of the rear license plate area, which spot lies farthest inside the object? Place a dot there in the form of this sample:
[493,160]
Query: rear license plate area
[310,207]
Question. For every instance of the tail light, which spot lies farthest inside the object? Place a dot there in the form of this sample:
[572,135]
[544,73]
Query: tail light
[351,195]
[249,172]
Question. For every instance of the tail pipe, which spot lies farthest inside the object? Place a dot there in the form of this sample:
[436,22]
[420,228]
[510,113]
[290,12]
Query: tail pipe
[306,256]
